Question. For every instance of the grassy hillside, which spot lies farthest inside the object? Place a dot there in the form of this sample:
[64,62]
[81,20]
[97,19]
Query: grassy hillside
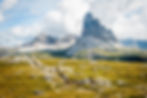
[118,54]
[46,77]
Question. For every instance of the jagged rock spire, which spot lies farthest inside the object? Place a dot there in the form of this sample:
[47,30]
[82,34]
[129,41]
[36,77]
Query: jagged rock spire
[93,27]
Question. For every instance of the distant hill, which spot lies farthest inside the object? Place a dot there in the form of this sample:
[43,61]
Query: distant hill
[5,51]
[48,43]
[141,44]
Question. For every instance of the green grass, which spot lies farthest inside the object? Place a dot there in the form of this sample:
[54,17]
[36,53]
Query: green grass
[110,79]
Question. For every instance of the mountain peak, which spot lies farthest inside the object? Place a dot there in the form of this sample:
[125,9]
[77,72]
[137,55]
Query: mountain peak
[88,16]
[94,36]
[93,27]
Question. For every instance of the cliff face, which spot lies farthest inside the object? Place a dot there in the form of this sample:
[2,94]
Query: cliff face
[94,35]
[93,28]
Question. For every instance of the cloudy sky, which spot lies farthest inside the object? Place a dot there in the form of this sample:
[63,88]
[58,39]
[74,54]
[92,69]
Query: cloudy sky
[20,20]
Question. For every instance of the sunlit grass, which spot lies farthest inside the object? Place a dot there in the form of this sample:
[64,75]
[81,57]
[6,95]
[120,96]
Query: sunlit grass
[110,79]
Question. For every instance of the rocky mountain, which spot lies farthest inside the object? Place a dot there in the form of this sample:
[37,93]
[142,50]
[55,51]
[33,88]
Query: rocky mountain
[42,39]
[95,42]
[46,42]
[93,28]
[94,35]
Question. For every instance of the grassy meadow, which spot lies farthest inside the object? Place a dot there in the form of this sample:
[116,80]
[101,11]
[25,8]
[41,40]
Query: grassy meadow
[47,77]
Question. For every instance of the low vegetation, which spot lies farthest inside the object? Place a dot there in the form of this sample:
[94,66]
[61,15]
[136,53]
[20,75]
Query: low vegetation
[47,77]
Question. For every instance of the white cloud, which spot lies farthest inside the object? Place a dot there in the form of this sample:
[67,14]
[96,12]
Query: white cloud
[6,5]
[127,18]
[56,16]
[1,17]
[71,13]
[117,15]
[6,40]
[26,31]
[130,28]
[74,12]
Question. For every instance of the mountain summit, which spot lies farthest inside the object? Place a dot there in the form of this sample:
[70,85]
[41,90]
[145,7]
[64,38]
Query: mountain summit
[93,27]
[94,35]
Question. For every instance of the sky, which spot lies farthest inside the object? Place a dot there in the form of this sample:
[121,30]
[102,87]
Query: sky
[21,20]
